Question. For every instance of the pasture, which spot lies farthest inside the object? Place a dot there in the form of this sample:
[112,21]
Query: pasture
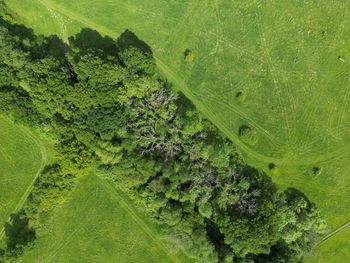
[290,60]
[98,224]
[22,156]
[335,249]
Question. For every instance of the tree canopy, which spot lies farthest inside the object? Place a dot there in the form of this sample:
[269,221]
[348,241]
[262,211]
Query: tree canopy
[108,109]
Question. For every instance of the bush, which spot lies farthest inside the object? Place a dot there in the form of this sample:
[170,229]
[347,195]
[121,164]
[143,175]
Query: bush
[316,170]
[248,135]
[240,96]
[273,168]
[188,56]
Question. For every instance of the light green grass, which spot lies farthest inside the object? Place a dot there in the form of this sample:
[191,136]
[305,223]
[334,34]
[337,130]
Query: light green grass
[335,250]
[283,55]
[22,156]
[98,224]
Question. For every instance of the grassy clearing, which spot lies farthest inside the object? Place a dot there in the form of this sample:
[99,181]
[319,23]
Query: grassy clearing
[98,224]
[22,156]
[289,59]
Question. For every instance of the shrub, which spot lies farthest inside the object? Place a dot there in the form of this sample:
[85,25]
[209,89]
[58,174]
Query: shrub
[240,96]
[188,56]
[248,135]
[316,170]
[273,168]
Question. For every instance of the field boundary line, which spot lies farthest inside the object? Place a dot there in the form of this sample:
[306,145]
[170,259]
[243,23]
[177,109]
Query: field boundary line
[334,232]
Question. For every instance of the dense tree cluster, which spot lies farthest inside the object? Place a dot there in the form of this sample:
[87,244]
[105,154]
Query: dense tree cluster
[108,109]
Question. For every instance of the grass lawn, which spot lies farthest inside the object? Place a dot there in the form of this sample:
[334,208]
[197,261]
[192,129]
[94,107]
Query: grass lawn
[98,224]
[334,250]
[22,156]
[289,59]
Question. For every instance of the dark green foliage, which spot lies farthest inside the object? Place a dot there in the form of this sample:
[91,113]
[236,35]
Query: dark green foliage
[49,190]
[316,170]
[188,56]
[248,135]
[240,96]
[106,107]
[19,233]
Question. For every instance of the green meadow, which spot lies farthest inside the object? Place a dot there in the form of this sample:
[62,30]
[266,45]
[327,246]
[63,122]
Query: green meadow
[278,67]
[99,224]
[22,156]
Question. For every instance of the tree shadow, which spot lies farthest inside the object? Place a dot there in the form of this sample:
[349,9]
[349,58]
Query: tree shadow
[88,40]
[50,46]
[18,232]
[128,39]
[128,49]
[17,30]
[38,46]
[293,193]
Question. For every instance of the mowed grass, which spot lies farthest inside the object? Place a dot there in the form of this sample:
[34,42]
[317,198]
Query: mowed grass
[334,250]
[289,58]
[22,156]
[99,224]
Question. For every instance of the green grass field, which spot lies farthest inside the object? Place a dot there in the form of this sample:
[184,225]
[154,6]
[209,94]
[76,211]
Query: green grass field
[98,224]
[289,59]
[333,250]
[22,156]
